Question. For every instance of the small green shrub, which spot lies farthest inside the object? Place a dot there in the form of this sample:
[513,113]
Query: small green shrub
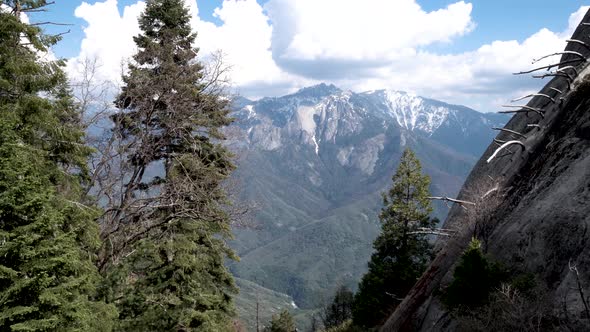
[475,278]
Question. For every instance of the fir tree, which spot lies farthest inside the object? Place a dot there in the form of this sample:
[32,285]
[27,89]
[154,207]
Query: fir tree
[165,241]
[400,254]
[282,322]
[474,278]
[48,238]
[340,310]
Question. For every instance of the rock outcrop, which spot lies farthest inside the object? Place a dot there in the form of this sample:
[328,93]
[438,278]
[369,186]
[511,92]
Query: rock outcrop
[540,225]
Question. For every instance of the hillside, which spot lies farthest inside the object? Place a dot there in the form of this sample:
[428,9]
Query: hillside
[316,161]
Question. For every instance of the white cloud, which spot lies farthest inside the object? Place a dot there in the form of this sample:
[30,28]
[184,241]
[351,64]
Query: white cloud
[245,38]
[360,30]
[108,36]
[481,78]
[356,44]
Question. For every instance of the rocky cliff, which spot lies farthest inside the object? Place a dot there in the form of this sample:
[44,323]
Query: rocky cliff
[540,222]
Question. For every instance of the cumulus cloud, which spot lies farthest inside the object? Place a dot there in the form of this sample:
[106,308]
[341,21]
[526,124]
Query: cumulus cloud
[108,37]
[356,44]
[366,33]
[481,78]
[244,38]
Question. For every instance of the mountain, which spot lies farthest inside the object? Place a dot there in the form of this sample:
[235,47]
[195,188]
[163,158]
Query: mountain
[540,225]
[315,163]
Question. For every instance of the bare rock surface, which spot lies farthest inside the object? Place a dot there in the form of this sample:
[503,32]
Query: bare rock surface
[541,224]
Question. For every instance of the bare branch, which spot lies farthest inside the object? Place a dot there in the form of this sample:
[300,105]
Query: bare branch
[548,66]
[434,231]
[556,90]
[395,296]
[523,111]
[524,106]
[499,141]
[444,198]
[431,232]
[554,74]
[574,269]
[578,42]
[533,95]
[509,131]
[563,69]
[62,33]
[504,146]
[487,193]
[52,23]
[578,54]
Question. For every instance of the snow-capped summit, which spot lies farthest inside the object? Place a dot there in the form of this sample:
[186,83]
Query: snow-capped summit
[324,115]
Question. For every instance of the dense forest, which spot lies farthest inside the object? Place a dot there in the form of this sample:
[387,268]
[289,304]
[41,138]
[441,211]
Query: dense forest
[131,229]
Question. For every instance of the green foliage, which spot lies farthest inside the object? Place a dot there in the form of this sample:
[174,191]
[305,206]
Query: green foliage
[48,236]
[400,254]
[170,244]
[474,279]
[282,322]
[340,310]
[253,296]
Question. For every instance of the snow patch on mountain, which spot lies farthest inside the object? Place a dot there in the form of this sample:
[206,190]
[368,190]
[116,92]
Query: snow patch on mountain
[412,113]
[324,117]
[250,110]
[305,117]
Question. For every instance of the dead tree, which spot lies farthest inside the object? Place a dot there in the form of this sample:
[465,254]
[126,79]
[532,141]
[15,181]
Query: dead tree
[503,146]
[585,300]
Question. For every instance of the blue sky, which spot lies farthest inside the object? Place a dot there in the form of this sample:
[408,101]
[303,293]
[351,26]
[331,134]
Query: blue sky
[495,19]
[277,46]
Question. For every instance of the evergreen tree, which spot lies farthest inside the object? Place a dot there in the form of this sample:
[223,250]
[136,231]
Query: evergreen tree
[164,244]
[282,322]
[48,238]
[340,310]
[401,253]
[474,278]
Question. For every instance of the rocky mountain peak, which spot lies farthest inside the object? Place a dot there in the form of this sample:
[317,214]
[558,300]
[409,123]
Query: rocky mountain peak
[317,91]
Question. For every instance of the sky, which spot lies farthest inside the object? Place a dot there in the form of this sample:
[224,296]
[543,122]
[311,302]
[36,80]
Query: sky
[461,52]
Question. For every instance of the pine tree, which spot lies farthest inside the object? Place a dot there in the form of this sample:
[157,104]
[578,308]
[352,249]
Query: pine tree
[282,322]
[340,310]
[48,238]
[400,254]
[474,279]
[165,242]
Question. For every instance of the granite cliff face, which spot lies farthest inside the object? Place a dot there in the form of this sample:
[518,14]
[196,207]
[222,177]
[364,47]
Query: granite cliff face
[540,225]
